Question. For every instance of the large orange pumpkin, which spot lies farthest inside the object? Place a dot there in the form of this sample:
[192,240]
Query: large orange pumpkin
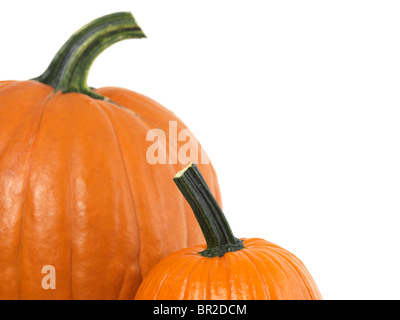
[226,268]
[76,190]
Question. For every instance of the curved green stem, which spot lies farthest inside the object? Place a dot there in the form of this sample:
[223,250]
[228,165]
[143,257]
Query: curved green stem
[70,67]
[212,221]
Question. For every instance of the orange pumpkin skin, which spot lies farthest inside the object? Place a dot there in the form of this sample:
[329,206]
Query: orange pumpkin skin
[77,193]
[260,271]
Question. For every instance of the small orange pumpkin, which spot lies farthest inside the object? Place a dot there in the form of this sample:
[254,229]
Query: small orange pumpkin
[76,189]
[226,268]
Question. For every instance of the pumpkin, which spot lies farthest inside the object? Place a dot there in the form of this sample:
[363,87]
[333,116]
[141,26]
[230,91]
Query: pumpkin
[226,268]
[76,190]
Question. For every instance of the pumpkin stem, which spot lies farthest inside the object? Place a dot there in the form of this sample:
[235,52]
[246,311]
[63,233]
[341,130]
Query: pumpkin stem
[69,69]
[212,221]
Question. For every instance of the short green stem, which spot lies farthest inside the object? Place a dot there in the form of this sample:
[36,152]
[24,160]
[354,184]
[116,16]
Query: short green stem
[212,221]
[70,67]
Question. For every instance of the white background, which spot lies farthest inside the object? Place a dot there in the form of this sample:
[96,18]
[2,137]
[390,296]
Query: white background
[295,102]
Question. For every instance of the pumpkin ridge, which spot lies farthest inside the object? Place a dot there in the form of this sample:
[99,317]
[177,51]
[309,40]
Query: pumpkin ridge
[181,264]
[280,262]
[135,113]
[208,291]
[160,285]
[275,265]
[233,288]
[123,161]
[246,253]
[198,269]
[283,253]
[194,267]
[229,281]
[243,275]
[6,84]
[21,235]
[165,275]
[250,274]
[4,150]
[218,279]
[294,267]
[71,218]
